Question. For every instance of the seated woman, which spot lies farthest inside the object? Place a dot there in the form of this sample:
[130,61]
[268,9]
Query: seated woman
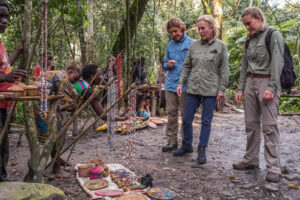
[59,82]
[92,75]
[66,83]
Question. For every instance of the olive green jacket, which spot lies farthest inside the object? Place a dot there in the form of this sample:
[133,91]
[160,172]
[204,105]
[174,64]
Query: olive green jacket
[207,65]
[256,59]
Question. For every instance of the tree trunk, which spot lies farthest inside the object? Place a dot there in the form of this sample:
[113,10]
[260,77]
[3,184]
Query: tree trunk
[80,30]
[206,7]
[37,161]
[39,157]
[250,3]
[299,52]
[90,33]
[25,62]
[31,134]
[138,6]
[217,12]
[127,45]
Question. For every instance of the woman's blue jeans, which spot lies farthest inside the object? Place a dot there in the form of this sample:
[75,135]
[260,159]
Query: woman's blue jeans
[192,102]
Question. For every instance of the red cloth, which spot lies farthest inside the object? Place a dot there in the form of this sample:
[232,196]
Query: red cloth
[119,75]
[4,69]
[4,60]
[37,71]
[3,88]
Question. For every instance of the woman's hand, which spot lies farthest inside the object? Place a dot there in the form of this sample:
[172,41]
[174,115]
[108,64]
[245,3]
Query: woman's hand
[238,97]
[268,95]
[179,90]
[220,96]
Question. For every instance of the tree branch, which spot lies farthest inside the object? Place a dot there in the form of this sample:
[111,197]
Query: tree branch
[62,15]
[293,5]
[273,14]
[237,4]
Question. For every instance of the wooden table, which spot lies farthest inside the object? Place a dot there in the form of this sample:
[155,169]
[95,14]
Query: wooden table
[31,98]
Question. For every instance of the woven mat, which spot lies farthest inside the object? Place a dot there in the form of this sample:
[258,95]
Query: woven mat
[111,185]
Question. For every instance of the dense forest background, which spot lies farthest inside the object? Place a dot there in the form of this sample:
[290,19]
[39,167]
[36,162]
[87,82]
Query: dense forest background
[87,31]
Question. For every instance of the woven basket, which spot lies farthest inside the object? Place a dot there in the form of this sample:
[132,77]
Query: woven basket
[84,170]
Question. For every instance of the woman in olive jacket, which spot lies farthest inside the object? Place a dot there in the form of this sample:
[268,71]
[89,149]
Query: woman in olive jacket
[260,86]
[206,65]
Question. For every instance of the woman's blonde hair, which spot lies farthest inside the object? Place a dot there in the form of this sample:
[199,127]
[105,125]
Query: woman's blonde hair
[175,22]
[210,21]
[254,12]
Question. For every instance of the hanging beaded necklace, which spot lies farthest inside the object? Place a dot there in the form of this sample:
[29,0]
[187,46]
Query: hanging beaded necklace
[111,98]
[44,61]
[131,127]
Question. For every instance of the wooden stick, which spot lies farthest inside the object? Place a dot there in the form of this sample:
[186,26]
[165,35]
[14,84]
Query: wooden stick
[104,113]
[83,132]
[69,122]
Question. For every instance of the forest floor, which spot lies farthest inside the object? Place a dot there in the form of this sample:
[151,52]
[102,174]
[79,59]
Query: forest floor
[215,180]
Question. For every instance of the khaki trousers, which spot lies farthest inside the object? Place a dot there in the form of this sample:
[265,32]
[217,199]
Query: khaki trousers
[174,104]
[261,116]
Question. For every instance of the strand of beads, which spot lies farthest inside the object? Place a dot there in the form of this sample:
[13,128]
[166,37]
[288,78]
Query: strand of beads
[131,128]
[44,61]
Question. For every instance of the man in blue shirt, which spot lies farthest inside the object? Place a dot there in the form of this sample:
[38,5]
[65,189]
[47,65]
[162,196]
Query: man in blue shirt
[175,54]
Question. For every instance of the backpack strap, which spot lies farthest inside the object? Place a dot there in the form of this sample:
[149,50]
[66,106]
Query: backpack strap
[268,40]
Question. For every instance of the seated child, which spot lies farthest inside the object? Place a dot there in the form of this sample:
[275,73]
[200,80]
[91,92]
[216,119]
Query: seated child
[144,110]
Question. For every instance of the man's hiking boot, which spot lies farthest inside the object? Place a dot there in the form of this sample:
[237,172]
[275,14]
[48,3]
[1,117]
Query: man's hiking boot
[272,177]
[170,147]
[185,148]
[242,166]
[201,155]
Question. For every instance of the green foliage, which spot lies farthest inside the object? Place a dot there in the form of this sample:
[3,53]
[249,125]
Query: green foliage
[151,37]
[289,104]
[20,115]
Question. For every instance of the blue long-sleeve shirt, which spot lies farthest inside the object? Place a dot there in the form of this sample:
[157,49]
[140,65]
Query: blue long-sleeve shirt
[176,51]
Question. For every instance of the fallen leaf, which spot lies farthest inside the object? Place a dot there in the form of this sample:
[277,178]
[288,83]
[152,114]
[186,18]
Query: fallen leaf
[13,164]
[232,177]
[293,186]
[273,195]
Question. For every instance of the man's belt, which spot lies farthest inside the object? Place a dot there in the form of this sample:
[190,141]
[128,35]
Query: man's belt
[258,75]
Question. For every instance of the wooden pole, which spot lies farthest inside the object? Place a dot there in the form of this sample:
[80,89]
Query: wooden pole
[83,132]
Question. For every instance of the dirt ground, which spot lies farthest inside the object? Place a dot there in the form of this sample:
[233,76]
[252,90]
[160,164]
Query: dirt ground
[215,180]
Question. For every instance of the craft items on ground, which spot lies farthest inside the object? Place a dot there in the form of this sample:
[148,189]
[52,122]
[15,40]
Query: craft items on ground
[123,178]
[84,170]
[117,177]
[133,196]
[109,192]
[96,184]
[161,193]
[120,184]
[122,126]
[96,172]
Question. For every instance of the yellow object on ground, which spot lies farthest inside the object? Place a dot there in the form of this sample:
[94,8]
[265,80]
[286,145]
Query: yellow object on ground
[122,126]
